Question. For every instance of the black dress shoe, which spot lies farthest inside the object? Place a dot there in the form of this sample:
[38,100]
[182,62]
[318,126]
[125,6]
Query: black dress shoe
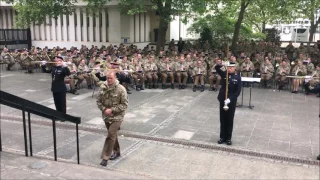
[104,163]
[318,158]
[229,142]
[172,86]
[114,156]
[296,92]
[180,87]
[194,88]
[89,87]
[221,141]
[202,88]
[128,92]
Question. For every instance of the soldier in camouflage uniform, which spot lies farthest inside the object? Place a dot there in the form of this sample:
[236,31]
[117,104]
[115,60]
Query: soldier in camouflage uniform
[290,51]
[281,75]
[181,69]
[71,79]
[137,75]
[167,69]
[112,100]
[151,70]
[83,74]
[7,58]
[266,70]
[214,79]
[199,73]
[298,70]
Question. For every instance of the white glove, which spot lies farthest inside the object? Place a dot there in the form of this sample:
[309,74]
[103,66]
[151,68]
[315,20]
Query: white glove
[64,64]
[227,101]
[43,62]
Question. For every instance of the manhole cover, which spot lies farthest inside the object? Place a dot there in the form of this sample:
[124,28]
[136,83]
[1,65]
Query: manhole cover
[38,165]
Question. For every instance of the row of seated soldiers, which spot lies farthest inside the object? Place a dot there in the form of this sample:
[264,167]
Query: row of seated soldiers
[248,66]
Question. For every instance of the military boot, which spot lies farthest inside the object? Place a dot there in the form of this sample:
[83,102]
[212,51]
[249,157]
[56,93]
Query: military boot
[194,88]
[202,88]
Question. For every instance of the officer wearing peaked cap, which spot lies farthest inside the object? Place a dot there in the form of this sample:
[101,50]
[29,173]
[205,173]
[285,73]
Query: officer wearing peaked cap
[228,94]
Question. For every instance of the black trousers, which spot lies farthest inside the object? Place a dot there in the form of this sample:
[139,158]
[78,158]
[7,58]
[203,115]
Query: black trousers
[60,102]
[226,120]
[103,78]
[123,78]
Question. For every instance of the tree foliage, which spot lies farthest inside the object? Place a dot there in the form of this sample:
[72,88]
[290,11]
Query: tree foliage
[35,11]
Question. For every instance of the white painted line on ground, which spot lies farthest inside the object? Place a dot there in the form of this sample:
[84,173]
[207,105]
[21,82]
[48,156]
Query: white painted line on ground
[52,106]
[96,121]
[152,90]
[7,75]
[82,96]
[30,90]
[46,100]
[43,80]
[187,135]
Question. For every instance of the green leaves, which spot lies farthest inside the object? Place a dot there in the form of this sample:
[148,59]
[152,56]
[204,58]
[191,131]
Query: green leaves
[35,11]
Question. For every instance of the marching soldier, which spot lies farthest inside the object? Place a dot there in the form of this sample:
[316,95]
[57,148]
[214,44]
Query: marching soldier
[198,74]
[266,71]
[112,100]
[166,69]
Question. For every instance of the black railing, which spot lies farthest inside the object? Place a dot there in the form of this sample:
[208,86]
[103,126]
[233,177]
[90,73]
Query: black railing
[15,38]
[40,110]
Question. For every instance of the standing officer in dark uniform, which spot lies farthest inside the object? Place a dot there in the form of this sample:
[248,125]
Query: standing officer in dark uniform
[58,87]
[233,91]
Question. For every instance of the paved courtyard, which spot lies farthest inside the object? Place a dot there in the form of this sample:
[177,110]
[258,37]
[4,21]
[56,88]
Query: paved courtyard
[281,123]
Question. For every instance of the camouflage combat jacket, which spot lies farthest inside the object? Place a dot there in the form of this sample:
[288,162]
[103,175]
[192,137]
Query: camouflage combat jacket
[115,98]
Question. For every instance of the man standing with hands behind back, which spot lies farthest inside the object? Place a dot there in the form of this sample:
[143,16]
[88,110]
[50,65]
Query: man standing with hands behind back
[112,100]
[234,89]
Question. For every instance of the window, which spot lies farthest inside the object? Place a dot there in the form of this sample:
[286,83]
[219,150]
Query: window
[300,31]
[81,18]
[75,19]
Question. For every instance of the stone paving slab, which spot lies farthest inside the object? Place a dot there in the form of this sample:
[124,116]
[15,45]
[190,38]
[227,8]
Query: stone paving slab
[139,158]
[280,123]
[15,166]
[182,163]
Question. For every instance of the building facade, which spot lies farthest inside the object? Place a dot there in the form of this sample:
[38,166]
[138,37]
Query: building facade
[107,27]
